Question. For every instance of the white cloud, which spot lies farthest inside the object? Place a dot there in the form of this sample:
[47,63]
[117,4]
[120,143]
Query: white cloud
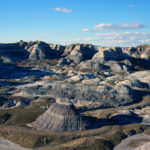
[115,39]
[63,10]
[114,27]
[89,30]
[125,38]
[86,30]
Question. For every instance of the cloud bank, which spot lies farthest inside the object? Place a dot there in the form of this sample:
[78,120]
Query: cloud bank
[114,27]
[115,39]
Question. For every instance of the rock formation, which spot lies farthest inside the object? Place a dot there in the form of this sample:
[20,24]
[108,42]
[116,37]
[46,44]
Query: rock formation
[40,51]
[82,94]
[12,52]
[92,65]
[142,52]
[61,117]
[107,54]
[136,142]
[79,52]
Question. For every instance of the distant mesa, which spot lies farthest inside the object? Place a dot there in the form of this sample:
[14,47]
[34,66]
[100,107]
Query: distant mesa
[83,56]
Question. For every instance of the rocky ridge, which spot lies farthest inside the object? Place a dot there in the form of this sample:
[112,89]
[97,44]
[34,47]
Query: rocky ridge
[93,75]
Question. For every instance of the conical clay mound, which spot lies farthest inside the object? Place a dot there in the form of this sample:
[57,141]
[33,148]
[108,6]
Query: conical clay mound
[60,118]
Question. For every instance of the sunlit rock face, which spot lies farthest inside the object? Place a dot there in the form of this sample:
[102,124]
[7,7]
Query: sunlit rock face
[107,54]
[142,51]
[40,51]
[79,52]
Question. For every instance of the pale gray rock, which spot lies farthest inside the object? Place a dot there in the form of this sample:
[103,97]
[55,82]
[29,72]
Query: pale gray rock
[139,74]
[143,78]
[92,82]
[116,66]
[140,140]
[142,52]
[119,66]
[134,83]
[108,54]
[81,94]
[92,65]
[40,51]
[60,118]
[79,52]
[126,94]
[82,77]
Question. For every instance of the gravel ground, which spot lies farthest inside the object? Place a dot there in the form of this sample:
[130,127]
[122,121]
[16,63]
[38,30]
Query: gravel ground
[6,145]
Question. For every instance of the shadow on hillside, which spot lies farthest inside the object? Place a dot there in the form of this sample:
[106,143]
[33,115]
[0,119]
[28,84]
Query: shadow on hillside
[95,123]
[11,71]
[7,83]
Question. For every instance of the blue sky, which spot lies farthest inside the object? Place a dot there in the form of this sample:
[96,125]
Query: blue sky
[99,22]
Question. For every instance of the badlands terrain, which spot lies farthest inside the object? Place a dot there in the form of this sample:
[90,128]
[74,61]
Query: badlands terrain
[75,97]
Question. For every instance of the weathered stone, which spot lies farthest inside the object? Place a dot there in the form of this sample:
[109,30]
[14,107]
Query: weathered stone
[61,117]
[110,54]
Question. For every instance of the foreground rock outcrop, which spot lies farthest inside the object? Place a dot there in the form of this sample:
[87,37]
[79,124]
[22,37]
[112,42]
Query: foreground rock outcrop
[136,142]
[61,117]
